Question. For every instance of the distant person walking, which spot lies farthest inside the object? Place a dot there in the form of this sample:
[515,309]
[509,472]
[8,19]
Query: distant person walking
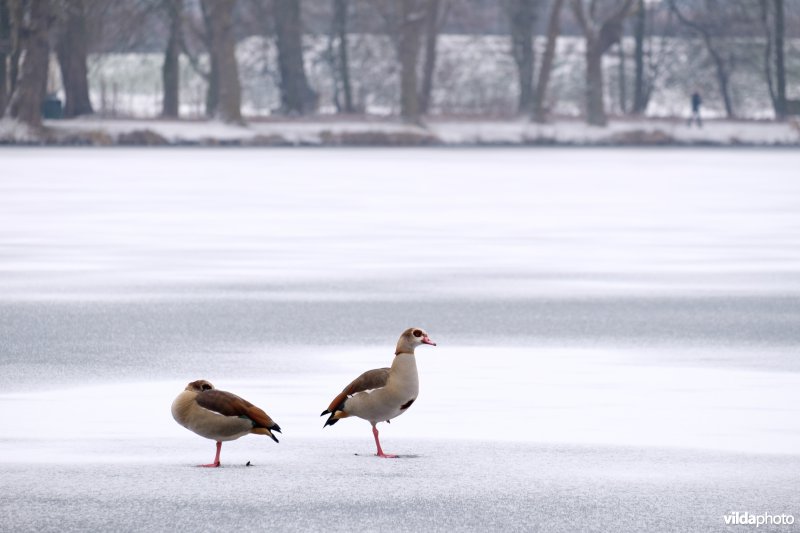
[697,101]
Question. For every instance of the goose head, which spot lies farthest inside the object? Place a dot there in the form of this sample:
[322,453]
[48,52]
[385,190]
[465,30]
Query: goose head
[411,338]
[199,386]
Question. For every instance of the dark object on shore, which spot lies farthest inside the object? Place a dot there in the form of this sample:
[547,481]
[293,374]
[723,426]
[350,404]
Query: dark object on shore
[248,464]
[142,137]
[697,101]
[792,107]
[52,108]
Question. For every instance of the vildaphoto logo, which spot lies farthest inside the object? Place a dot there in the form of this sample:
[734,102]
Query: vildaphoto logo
[735,518]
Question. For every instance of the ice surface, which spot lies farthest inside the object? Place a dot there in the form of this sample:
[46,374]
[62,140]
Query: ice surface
[617,336]
[321,485]
[413,223]
[588,396]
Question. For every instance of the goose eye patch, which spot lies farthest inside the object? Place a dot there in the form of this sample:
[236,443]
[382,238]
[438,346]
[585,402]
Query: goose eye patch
[417,333]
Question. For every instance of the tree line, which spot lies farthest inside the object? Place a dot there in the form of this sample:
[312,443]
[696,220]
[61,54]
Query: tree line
[206,32]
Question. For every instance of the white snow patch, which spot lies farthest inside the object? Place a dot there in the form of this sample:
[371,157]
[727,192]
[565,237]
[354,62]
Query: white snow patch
[14,131]
[451,132]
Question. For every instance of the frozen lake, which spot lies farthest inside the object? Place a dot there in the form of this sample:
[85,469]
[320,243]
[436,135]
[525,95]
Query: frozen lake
[618,336]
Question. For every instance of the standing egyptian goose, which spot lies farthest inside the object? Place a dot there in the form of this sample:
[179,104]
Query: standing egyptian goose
[219,415]
[383,393]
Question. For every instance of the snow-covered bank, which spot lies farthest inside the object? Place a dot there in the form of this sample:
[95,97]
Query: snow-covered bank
[375,132]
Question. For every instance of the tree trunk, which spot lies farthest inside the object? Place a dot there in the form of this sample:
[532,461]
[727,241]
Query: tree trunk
[26,100]
[170,71]
[340,30]
[595,109]
[16,14]
[780,68]
[623,81]
[539,114]
[72,48]
[224,70]
[297,97]
[5,52]
[722,73]
[722,79]
[212,90]
[432,23]
[600,36]
[522,15]
[769,41]
[639,90]
[410,22]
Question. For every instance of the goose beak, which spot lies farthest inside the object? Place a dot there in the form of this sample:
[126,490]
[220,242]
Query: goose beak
[427,340]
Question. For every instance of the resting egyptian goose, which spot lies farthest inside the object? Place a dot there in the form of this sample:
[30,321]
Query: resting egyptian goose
[219,415]
[383,393]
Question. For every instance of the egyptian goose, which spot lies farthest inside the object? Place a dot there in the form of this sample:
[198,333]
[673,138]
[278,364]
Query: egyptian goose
[219,415]
[383,393]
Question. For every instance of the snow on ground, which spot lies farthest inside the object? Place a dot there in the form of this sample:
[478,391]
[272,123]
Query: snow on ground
[12,131]
[577,132]
[616,329]
[298,132]
[449,132]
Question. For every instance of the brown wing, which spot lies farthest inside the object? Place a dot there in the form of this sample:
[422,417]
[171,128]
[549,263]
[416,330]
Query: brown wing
[228,404]
[371,379]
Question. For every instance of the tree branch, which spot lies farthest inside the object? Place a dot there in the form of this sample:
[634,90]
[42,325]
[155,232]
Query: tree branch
[580,16]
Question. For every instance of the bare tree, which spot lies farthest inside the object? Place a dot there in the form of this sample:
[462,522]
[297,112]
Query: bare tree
[522,15]
[403,21]
[170,71]
[601,23]
[224,70]
[212,75]
[435,16]
[623,77]
[412,15]
[11,15]
[780,67]
[341,62]
[640,89]
[712,25]
[651,59]
[16,11]
[5,52]
[553,23]
[26,100]
[772,16]
[199,32]
[72,48]
[297,97]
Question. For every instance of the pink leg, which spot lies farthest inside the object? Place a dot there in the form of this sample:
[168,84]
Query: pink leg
[378,444]
[216,459]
